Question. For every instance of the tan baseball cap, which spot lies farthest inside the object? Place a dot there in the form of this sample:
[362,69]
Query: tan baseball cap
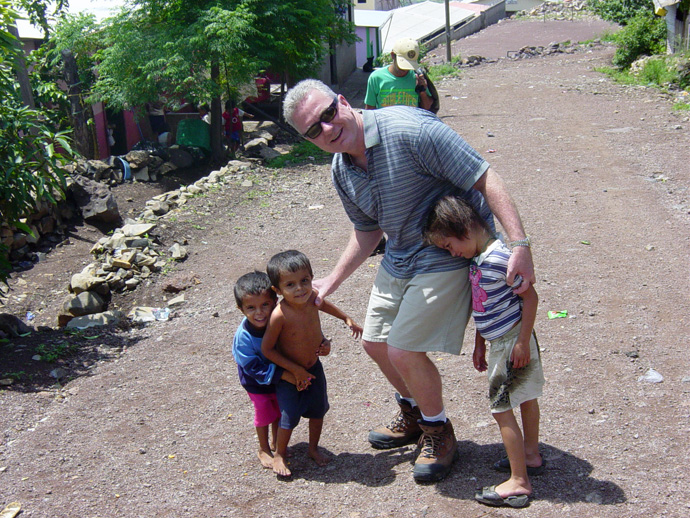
[406,53]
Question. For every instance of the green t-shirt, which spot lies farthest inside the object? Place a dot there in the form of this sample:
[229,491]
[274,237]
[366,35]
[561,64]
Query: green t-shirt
[385,89]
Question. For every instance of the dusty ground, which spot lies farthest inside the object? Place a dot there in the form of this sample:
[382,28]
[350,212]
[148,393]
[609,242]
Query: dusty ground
[154,423]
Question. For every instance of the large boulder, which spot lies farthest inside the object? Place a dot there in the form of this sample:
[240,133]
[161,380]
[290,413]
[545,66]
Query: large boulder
[94,200]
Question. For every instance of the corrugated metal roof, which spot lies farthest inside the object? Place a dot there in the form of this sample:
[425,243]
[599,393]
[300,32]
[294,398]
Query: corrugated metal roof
[419,21]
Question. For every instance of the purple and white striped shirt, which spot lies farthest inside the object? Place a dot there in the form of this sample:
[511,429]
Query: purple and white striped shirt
[495,308]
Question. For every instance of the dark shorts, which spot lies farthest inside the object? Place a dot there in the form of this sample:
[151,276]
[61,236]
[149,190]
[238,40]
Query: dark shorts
[311,403]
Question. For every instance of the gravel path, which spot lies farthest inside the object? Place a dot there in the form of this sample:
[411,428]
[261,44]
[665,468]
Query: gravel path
[600,175]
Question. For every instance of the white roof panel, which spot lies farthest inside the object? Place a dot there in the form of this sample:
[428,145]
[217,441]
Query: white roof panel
[419,21]
[369,18]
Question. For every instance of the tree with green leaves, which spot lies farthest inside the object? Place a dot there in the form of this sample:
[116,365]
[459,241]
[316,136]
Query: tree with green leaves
[32,153]
[200,50]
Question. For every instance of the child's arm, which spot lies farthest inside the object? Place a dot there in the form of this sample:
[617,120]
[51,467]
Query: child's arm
[479,355]
[521,354]
[331,309]
[270,351]
[253,365]
[289,377]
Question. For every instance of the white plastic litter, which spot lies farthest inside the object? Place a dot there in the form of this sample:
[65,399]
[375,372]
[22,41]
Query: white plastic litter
[651,376]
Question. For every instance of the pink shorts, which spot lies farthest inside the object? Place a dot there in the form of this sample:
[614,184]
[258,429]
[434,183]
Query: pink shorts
[266,408]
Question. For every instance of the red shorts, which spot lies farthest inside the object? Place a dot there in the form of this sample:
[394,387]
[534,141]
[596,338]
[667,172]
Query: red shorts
[266,408]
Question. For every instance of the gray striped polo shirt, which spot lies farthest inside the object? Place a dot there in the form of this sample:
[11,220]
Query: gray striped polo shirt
[413,159]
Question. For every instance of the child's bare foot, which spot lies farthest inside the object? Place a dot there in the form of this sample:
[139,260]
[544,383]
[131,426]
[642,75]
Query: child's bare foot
[321,460]
[513,487]
[265,458]
[280,467]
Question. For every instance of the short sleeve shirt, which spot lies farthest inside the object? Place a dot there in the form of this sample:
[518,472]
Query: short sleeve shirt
[385,89]
[495,308]
[413,159]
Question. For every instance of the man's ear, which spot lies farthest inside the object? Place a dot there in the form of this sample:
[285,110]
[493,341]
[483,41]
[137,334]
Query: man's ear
[276,290]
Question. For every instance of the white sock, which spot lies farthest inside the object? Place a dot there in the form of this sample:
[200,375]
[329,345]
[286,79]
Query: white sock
[439,417]
[410,400]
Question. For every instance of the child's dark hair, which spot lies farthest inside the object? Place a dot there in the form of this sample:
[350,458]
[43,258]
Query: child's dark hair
[288,261]
[254,283]
[452,216]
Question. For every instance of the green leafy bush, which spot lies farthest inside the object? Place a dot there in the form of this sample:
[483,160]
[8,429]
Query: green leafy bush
[31,152]
[645,34]
[620,11]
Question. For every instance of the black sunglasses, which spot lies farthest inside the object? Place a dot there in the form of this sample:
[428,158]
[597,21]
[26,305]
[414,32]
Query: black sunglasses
[326,116]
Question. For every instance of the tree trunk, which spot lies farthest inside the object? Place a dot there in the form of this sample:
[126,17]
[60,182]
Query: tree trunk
[21,72]
[79,114]
[217,150]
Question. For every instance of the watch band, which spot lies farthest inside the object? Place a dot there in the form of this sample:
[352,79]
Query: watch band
[521,242]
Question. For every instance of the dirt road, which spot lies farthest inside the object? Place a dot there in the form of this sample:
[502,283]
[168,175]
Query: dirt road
[600,175]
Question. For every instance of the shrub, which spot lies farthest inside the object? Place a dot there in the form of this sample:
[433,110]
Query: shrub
[620,11]
[645,34]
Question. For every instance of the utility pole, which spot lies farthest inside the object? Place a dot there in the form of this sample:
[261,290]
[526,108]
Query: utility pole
[448,53]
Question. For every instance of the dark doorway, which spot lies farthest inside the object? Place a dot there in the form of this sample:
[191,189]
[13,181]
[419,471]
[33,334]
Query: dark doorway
[116,121]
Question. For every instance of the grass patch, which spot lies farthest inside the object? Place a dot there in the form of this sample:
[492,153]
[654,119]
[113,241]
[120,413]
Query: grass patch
[656,72]
[301,153]
[53,352]
[619,76]
[437,72]
[682,107]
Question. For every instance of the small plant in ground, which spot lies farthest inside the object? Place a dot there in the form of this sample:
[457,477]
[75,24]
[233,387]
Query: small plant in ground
[53,352]
[169,266]
[16,376]
[619,76]
[681,107]
[301,153]
[437,72]
[656,72]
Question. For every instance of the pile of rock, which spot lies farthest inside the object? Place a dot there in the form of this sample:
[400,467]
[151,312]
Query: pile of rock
[259,142]
[130,255]
[124,259]
[552,48]
[138,165]
[564,10]
[91,199]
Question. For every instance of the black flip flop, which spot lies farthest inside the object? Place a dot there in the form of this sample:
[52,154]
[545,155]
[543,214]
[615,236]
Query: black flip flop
[489,496]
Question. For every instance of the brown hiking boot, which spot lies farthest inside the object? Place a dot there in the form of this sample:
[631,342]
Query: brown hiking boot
[403,430]
[438,451]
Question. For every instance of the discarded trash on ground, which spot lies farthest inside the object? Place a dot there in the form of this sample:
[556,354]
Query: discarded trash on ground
[651,376]
[11,510]
[145,314]
[557,314]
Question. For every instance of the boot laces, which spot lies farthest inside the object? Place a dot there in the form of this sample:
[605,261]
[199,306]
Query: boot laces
[399,423]
[430,444]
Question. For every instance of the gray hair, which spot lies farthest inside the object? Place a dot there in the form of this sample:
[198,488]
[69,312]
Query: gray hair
[298,92]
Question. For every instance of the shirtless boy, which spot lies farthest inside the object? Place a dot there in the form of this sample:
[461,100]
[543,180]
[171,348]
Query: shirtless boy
[294,341]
